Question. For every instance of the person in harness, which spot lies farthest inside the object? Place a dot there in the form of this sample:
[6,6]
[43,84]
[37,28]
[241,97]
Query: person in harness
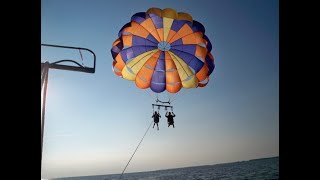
[170,118]
[156,117]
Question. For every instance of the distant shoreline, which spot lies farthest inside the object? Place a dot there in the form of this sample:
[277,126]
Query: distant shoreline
[176,169]
[226,163]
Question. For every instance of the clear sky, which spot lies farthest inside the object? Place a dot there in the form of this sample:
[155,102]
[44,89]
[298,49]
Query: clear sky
[95,121]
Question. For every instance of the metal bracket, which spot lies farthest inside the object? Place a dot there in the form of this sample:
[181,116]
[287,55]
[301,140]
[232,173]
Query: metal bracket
[56,65]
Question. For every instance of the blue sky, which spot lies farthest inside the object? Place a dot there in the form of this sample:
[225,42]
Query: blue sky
[95,121]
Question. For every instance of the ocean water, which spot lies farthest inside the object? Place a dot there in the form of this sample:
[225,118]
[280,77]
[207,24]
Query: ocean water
[267,168]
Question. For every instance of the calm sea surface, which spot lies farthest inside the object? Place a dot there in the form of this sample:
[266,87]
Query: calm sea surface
[267,168]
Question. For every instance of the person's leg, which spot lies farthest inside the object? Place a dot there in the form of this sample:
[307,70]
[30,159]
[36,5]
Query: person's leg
[173,125]
[153,125]
[158,126]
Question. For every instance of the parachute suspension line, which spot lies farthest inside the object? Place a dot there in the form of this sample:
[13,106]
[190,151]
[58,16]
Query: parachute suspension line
[152,96]
[163,102]
[174,97]
[182,93]
[136,149]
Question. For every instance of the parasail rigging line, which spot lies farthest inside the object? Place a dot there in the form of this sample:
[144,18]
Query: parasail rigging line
[136,149]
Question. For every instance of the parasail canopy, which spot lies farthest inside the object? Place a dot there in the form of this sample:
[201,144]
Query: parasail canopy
[163,50]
